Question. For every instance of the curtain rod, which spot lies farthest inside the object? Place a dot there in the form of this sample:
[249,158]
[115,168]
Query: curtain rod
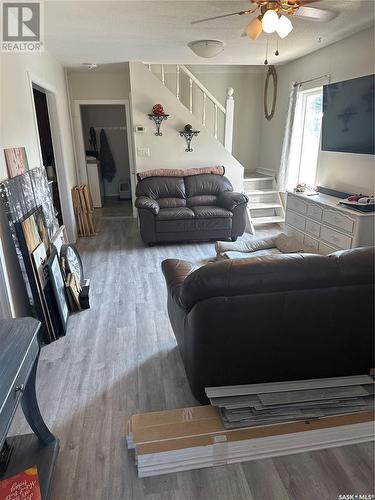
[296,84]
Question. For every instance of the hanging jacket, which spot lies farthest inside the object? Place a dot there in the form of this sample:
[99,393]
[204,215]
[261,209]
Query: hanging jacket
[106,159]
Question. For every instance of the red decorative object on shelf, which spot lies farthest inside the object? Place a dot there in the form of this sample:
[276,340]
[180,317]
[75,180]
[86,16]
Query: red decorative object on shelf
[158,109]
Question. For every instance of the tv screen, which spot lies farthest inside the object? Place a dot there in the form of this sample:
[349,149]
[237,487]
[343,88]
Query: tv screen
[348,116]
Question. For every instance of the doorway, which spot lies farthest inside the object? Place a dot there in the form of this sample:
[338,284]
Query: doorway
[46,146]
[107,158]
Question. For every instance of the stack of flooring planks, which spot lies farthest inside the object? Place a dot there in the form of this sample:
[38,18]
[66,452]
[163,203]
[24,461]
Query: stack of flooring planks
[84,210]
[193,438]
[262,404]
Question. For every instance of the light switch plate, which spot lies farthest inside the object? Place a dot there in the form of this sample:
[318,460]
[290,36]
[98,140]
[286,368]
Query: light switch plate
[143,152]
[140,129]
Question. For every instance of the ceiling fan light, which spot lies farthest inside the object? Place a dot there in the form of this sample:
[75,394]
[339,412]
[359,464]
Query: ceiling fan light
[206,48]
[270,21]
[284,27]
[254,28]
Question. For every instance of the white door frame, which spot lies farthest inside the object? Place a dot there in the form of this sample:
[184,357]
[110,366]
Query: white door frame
[80,143]
[61,167]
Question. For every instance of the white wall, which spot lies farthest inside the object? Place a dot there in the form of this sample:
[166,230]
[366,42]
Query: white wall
[18,128]
[349,58]
[100,85]
[248,89]
[168,151]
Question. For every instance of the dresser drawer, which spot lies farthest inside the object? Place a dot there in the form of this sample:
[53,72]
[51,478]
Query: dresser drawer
[313,228]
[297,204]
[311,243]
[337,239]
[326,249]
[338,220]
[314,211]
[293,232]
[295,220]
[17,388]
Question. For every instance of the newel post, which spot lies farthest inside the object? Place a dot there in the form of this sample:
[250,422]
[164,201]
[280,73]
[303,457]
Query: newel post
[229,117]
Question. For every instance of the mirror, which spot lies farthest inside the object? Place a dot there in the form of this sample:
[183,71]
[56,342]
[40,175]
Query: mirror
[271,75]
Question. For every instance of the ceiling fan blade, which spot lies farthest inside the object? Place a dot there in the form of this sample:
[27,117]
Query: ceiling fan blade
[315,14]
[254,28]
[241,13]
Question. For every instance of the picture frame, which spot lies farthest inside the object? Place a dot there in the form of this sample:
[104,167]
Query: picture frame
[59,239]
[35,230]
[38,303]
[58,286]
[49,305]
[39,257]
[16,161]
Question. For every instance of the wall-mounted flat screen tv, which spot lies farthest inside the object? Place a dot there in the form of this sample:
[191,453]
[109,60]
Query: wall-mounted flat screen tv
[348,116]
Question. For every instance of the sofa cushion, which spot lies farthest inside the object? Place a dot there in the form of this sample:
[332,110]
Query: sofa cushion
[203,200]
[197,185]
[162,187]
[175,213]
[171,202]
[211,212]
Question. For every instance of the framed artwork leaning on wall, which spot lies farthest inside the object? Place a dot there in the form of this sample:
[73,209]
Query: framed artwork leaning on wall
[58,285]
[16,161]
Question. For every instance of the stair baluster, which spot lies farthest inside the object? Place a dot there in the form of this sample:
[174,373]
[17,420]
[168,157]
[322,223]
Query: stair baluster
[178,82]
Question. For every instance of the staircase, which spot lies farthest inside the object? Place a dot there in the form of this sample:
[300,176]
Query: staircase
[198,100]
[265,204]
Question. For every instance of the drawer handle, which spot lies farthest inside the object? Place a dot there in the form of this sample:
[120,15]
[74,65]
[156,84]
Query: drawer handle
[19,388]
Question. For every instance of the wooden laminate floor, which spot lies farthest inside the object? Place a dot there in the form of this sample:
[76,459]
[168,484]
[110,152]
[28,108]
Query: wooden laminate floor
[120,357]
[114,207]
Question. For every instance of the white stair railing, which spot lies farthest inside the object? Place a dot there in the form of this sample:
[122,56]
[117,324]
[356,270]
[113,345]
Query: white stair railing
[227,112]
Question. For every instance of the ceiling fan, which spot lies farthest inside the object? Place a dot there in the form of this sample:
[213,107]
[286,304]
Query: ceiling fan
[274,16]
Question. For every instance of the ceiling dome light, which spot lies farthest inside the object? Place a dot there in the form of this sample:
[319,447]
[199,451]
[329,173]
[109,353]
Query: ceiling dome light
[284,27]
[89,65]
[270,21]
[206,48]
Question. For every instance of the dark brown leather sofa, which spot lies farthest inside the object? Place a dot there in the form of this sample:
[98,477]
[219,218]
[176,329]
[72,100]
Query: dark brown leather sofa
[273,318]
[196,207]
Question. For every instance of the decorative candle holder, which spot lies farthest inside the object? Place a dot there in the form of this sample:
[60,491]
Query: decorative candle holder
[189,133]
[158,120]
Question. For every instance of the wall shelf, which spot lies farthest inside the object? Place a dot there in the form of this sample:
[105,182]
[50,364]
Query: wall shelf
[158,120]
[189,134]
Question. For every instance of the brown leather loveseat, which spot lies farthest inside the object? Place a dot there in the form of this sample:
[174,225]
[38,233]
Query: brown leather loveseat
[273,318]
[194,207]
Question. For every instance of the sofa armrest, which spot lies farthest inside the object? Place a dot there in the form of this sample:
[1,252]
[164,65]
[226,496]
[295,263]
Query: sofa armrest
[175,272]
[147,204]
[230,200]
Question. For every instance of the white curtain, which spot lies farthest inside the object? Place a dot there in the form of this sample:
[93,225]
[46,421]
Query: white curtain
[285,180]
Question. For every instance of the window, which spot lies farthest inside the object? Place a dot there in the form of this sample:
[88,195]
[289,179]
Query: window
[306,137]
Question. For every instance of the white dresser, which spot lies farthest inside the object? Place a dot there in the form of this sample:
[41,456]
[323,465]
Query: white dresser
[323,226]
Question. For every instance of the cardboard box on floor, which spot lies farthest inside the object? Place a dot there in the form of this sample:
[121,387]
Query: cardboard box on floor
[201,426]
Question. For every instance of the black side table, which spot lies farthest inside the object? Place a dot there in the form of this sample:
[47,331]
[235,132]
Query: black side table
[19,354]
